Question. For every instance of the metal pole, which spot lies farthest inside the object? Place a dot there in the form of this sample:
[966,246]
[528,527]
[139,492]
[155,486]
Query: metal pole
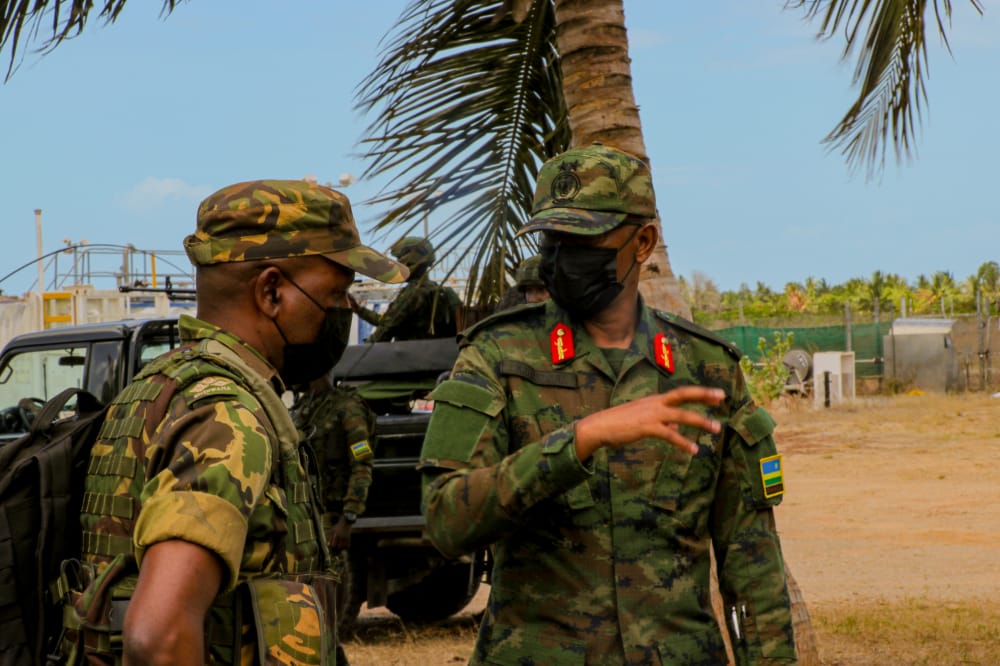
[38,248]
[981,327]
[847,324]
[826,388]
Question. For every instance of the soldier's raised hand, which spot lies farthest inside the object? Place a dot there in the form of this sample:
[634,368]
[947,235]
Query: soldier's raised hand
[653,416]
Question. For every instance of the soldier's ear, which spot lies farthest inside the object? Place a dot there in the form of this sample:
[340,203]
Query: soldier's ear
[267,292]
[645,240]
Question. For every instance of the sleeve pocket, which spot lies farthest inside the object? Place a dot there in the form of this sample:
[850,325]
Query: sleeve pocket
[762,470]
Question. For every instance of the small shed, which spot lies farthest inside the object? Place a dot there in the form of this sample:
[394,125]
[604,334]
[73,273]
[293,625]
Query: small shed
[920,353]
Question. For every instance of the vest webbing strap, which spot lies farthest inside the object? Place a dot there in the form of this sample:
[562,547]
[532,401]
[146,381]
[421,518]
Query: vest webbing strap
[146,391]
[303,532]
[104,504]
[129,426]
[112,466]
[107,545]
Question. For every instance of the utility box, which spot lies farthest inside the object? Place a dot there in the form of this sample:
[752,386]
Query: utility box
[833,378]
[920,353]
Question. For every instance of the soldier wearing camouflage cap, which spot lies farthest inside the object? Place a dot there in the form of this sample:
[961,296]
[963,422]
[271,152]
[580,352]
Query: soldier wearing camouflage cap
[197,493]
[601,448]
[528,286]
[423,308]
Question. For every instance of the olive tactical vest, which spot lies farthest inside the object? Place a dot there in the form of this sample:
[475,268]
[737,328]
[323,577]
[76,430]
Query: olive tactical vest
[111,506]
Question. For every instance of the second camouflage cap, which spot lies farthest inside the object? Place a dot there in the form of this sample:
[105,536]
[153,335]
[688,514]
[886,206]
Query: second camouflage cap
[590,190]
[278,219]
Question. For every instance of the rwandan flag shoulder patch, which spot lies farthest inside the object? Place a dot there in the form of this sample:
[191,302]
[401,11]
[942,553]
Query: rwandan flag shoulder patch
[771,474]
[361,450]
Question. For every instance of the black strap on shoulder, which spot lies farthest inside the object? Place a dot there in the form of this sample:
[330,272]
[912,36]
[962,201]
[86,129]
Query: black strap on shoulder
[538,377]
[86,403]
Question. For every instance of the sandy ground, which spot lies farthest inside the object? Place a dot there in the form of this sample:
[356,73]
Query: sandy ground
[888,499]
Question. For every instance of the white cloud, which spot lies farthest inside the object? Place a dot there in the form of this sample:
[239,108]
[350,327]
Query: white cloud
[155,192]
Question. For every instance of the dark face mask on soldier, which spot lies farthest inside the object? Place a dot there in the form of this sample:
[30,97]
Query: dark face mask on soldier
[306,361]
[583,279]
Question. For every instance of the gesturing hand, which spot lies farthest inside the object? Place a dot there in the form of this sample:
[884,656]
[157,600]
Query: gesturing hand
[653,416]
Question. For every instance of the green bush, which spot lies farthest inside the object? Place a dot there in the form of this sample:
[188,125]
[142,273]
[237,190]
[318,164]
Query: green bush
[766,379]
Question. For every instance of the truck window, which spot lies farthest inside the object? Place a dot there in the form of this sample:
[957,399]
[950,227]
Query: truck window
[32,377]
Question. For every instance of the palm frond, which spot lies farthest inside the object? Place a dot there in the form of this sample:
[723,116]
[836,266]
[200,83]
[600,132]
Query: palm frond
[890,38]
[22,20]
[469,103]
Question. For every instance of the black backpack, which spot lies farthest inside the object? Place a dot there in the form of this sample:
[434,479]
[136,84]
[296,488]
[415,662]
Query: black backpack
[41,490]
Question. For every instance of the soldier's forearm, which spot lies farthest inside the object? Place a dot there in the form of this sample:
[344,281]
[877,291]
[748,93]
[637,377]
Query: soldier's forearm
[469,509]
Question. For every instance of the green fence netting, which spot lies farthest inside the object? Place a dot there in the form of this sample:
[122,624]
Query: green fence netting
[866,341]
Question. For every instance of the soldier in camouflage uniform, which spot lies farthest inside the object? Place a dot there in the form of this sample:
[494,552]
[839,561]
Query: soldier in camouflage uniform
[601,448]
[339,427]
[528,285]
[423,308]
[196,478]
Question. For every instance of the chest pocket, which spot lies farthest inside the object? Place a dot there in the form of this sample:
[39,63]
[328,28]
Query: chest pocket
[682,478]
[540,401]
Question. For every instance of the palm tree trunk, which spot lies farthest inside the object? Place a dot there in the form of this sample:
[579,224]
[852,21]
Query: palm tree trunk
[597,85]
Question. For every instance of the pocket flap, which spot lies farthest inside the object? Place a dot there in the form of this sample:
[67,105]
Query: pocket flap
[463,394]
[752,423]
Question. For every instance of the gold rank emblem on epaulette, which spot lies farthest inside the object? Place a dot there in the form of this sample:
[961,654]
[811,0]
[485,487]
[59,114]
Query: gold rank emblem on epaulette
[662,352]
[561,343]
[772,476]
[361,450]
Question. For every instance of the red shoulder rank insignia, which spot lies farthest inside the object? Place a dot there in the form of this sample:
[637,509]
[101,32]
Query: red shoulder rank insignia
[662,352]
[561,343]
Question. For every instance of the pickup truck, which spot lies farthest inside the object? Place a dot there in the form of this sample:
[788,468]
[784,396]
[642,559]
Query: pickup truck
[392,564]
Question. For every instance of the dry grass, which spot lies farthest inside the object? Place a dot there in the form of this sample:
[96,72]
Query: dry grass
[910,631]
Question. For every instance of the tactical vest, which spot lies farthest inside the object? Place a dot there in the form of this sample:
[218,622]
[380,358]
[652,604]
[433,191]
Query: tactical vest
[100,589]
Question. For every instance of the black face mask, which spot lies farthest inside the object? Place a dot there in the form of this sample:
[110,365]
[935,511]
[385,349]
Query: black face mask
[306,361]
[582,279]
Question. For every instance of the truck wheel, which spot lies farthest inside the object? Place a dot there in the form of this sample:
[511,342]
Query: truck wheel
[444,592]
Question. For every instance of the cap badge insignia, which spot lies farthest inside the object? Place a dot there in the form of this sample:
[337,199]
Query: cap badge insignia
[662,352]
[772,476]
[565,186]
[561,343]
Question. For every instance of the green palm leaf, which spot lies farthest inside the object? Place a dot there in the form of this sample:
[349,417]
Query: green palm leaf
[891,65]
[22,20]
[468,103]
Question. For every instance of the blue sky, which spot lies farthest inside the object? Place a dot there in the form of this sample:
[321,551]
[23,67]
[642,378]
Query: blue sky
[118,134]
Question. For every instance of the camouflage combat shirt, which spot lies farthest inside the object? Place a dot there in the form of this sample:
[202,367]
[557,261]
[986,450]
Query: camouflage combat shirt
[422,309]
[605,562]
[340,428]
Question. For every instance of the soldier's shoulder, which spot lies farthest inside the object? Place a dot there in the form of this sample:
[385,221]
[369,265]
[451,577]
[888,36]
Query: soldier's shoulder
[693,329]
[509,320]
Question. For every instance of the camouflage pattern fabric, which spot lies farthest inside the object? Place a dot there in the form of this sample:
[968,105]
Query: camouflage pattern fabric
[528,274]
[276,219]
[590,191]
[422,309]
[605,562]
[222,470]
[340,428]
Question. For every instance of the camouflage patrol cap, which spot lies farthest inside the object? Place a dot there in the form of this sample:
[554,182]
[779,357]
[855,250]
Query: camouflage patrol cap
[589,191]
[527,274]
[278,219]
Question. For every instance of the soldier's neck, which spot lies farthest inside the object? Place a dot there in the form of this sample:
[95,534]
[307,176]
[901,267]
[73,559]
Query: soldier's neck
[614,326]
